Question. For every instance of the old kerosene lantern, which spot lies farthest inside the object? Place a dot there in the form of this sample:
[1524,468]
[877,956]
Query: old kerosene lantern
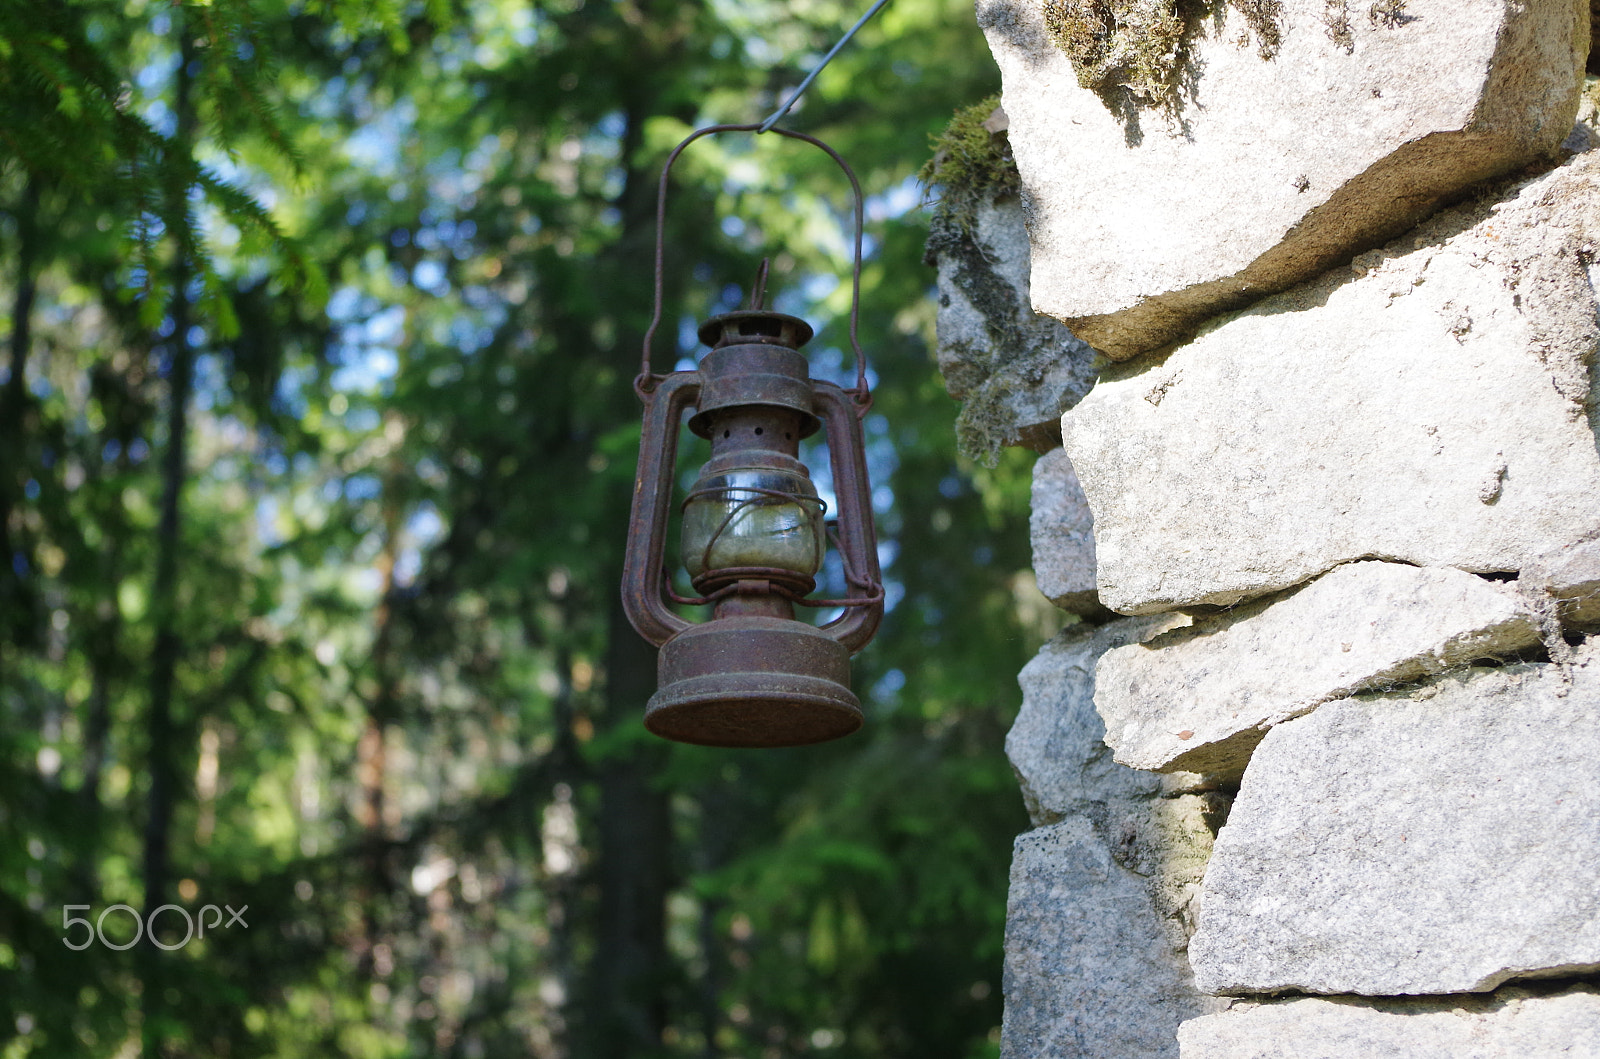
[754,530]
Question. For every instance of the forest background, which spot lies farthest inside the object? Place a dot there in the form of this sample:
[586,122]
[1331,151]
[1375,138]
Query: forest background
[316,445]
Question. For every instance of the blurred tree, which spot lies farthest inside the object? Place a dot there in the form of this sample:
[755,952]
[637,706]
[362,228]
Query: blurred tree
[318,439]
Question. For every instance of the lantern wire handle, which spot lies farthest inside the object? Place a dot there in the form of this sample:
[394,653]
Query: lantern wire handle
[646,381]
[794,97]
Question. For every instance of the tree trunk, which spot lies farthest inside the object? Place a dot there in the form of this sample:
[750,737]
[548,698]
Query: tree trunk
[372,749]
[162,760]
[635,849]
[16,596]
[628,1011]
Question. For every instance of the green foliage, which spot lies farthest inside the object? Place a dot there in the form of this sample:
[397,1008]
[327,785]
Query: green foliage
[411,244]
[70,122]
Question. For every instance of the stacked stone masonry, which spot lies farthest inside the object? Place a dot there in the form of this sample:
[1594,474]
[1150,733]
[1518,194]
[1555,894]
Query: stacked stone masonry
[1260,173]
[1314,770]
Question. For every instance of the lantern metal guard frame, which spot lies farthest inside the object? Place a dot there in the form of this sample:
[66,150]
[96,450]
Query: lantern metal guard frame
[753,675]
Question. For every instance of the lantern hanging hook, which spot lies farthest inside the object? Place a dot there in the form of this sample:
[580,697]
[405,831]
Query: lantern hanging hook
[646,381]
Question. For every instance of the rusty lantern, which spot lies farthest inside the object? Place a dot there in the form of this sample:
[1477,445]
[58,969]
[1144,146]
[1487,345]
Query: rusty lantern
[753,529]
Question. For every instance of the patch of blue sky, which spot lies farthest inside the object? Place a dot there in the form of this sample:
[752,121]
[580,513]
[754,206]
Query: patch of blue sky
[227,168]
[453,186]
[362,420]
[429,276]
[818,285]
[210,380]
[896,201]
[688,340]
[345,304]
[743,173]
[483,157]
[833,364]
[791,301]
[422,529]
[812,455]
[160,117]
[407,566]
[155,76]
[501,31]
[425,524]
[468,337]
[477,296]
[324,104]
[267,521]
[360,487]
[376,145]
[367,371]
[366,583]
[385,326]
[889,683]
[760,52]
[369,359]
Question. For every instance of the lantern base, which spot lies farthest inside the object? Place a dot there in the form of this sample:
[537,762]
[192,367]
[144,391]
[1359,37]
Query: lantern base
[756,681]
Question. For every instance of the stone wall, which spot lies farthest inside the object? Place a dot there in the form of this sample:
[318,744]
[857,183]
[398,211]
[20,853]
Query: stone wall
[1315,770]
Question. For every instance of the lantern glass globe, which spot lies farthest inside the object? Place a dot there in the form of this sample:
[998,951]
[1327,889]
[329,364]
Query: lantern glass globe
[753,517]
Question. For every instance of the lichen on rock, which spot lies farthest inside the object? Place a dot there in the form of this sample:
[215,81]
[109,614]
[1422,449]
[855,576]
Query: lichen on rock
[1015,371]
[1139,45]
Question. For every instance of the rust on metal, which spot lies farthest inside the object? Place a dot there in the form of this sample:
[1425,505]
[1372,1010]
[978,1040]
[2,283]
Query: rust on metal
[753,675]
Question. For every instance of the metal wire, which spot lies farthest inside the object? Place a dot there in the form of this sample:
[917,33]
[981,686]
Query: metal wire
[647,380]
[766,126]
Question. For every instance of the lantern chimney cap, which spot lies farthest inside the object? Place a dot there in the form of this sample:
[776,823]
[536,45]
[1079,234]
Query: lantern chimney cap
[755,325]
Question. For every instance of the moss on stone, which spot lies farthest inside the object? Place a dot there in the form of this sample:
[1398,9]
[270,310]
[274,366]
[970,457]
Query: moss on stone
[1131,44]
[1264,19]
[1336,18]
[1389,13]
[983,427]
[1138,46]
[970,164]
